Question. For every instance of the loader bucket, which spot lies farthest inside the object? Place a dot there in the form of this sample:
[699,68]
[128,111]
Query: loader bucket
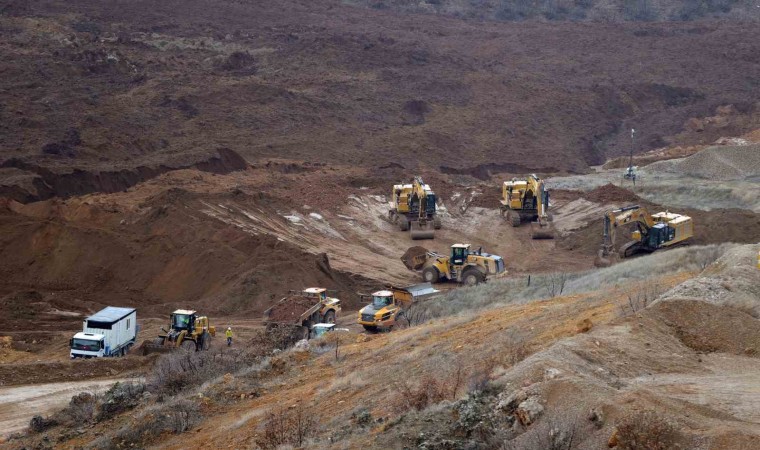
[420,231]
[149,348]
[415,257]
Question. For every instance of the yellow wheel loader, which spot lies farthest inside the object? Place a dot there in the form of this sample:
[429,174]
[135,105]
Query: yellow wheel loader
[527,201]
[413,207]
[388,308]
[187,330]
[652,232]
[463,266]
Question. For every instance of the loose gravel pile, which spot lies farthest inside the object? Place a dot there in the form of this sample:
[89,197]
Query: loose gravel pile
[717,163]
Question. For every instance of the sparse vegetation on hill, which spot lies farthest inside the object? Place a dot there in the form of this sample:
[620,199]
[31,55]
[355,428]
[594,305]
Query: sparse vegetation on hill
[575,10]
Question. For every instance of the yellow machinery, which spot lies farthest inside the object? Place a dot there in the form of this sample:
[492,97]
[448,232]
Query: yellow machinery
[652,232]
[187,330]
[463,266]
[302,310]
[388,307]
[527,200]
[413,207]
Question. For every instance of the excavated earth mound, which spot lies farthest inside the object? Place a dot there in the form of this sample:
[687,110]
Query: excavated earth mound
[716,163]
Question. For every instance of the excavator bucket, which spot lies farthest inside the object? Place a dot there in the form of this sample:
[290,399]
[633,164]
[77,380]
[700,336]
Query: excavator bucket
[420,231]
[541,230]
[605,259]
[415,257]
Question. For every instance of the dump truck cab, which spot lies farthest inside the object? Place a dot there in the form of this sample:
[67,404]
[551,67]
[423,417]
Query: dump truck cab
[330,306]
[381,311]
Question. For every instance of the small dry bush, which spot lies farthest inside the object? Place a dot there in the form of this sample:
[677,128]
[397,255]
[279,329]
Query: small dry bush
[81,410]
[286,427]
[121,397]
[172,417]
[646,431]
[180,370]
[429,390]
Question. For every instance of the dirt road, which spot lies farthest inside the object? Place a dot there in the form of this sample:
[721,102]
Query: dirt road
[18,404]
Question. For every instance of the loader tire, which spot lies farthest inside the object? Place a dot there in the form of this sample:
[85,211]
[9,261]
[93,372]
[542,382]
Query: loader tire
[188,345]
[329,317]
[404,225]
[205,341]
[437,223]
[431,275]
[472,277]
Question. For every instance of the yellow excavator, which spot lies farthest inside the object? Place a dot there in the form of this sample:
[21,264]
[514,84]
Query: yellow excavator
[652,232]
[527,200]
[413,207]
[463,266]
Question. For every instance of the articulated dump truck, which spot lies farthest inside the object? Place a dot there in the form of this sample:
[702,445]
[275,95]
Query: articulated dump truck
[300,311]
[388,308]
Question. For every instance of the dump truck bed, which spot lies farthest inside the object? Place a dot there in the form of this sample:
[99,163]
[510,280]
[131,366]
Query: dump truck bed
[292,309]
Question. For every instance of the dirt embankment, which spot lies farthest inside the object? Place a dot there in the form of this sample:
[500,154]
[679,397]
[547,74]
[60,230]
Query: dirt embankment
[76,256]
[710,227]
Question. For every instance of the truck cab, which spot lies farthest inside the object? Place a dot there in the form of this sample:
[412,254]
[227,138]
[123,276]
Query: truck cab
[87,345]
[330,306]
[381,311]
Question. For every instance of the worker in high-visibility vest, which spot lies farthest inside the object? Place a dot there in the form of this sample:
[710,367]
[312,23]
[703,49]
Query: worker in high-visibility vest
[228,333]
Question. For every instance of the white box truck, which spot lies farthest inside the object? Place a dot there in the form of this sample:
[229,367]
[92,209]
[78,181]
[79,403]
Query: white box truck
[109,332]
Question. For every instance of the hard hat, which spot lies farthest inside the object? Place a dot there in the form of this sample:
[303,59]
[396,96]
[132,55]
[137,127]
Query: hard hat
[229,328]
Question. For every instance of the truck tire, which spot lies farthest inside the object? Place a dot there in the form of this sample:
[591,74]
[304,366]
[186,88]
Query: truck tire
[431,275]
[472,277]
[329,317]
[437,223]
[404,224]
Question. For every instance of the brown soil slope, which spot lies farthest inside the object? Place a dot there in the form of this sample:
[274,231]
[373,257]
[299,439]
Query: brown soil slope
[161,253]
[170,83]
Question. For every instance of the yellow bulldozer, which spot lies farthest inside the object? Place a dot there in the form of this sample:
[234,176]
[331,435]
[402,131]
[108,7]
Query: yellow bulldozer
[413,207]
[187,330]
[463,266]
[652,232]
[388,308]
[527,201]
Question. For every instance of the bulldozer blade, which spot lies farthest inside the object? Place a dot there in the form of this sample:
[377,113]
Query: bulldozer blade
[415,257]
[422,231]
[541,231]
